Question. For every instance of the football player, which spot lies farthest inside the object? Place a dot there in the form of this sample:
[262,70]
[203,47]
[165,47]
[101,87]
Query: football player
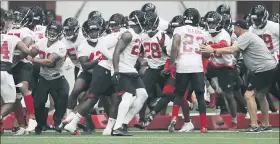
[126,80]
[9,43]
[51,81]
[221,65]
[189,68]
[22,68]
[90,55]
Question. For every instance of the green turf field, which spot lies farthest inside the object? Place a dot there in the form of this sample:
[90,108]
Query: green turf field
[147,137]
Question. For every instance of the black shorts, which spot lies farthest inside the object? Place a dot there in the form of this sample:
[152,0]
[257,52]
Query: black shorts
[262,81]
[151,78]
[184,79]
[225,75]
[129,82]
[101,82]
[86,76]
[22,72]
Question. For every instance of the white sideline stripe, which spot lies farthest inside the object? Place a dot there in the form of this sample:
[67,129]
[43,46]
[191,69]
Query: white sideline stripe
[133,137]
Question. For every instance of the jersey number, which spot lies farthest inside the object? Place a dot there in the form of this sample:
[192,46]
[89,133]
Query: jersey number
[43,55]
[97,54]
[267,40]
[152,50]
[136,48]
[15,34]
[5,50]
[189,40]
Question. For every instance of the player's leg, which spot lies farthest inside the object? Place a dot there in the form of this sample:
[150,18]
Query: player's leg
[101,81]
[81,84]
[40,98]
[127,91]
[76,72]
[198,83]
[182,80]
[141,97]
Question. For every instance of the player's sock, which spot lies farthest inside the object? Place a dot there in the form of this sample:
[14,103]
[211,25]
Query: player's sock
[77,117]
[234,119]
[203,120]
[70,117]
[111,123]
[136,105]
[123,109]
[28,99]
[68,111]
[175,111]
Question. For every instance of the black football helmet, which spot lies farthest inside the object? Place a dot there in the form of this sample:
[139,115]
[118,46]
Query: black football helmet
[93,28]
[137,18]
[192,16]
[176,21]
[227,22]
[70,28]
[151,22]
[39,16]
[94,14]
[213,21]
[223,9]
[275,17]
[259,16]
[115,22]
[54,30]
[247,18]
[148,7]
[22,17]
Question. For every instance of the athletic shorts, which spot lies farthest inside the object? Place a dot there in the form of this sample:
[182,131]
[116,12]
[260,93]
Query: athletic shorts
[262,81]
[22,72]
[129,82]
[8,88]
[86,76]
[101,82]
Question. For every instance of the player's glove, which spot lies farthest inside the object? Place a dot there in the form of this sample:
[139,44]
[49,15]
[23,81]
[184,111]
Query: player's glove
[116,78]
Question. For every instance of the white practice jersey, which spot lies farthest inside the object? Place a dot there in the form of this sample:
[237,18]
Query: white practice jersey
[270,35]
[189,59]
[130,54]
[72,48]
[22,33]
[89,51]
[46,52]
[219,60]
[109,43]
[39,31]
[8,45]
[153,53]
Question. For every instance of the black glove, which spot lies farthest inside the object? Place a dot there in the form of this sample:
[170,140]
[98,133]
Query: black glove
[116,78]
[165,72]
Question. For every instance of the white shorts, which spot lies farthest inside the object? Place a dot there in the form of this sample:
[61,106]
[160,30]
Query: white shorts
[8,88]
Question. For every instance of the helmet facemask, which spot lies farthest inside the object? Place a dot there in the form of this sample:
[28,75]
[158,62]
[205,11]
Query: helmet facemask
[70,32]
[53,33]
[212,25]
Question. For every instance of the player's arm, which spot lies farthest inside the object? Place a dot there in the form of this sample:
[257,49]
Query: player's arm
[225,50]
[174,48]
[120,47]
[86,64]
[24,49]
[48,62]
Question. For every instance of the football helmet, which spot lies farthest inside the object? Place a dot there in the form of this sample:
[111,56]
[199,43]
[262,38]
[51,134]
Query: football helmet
[93,28]
[176,21]
[247,17]
[213,21]
[259,16]
[39,16]
[54,30]
[274,17]
[94,14]
[192,17]
[115,22]
[22,17]
[137,18]
[223,9]
[148,7]
[70,28]
[227,22]
[151,22]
